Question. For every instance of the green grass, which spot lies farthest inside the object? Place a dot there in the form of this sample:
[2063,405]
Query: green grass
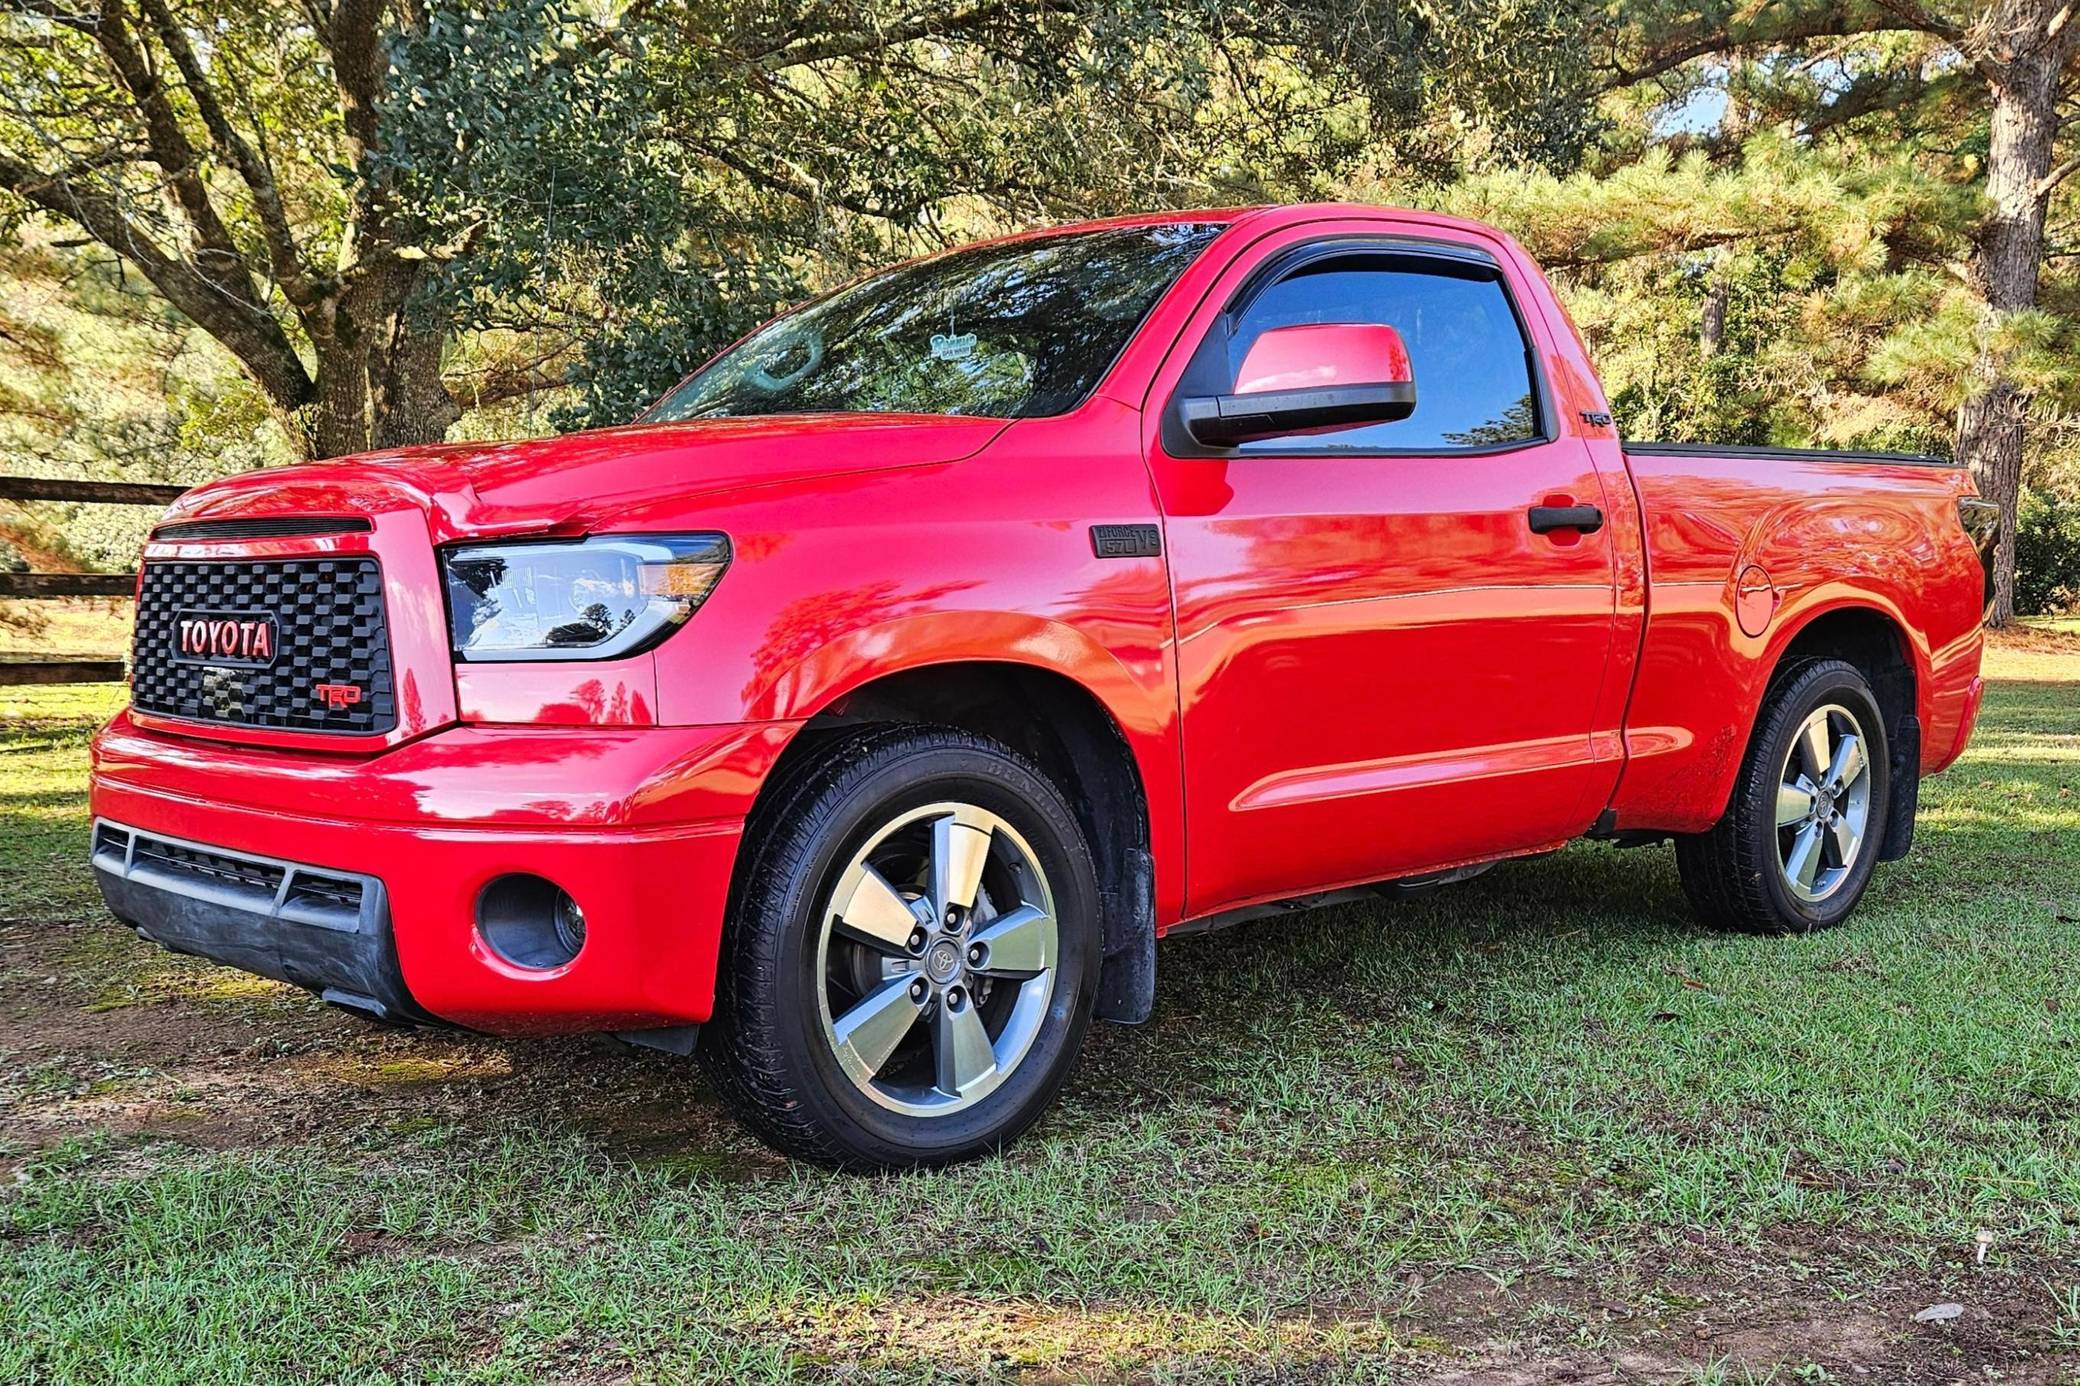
[1540,1116]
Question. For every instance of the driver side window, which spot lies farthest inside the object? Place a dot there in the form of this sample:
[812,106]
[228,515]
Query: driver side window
[1474,387]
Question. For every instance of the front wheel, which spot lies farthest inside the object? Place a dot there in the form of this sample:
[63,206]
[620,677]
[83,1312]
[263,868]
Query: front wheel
[913,956]
[1800,837]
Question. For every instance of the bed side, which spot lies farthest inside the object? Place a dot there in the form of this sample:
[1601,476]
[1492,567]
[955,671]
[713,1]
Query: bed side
[1752,552]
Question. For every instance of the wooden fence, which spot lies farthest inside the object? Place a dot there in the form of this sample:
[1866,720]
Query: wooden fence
[62,668]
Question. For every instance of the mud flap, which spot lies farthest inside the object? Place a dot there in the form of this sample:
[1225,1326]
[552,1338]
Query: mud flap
[1906,790]
[679,1040]
[1127,979]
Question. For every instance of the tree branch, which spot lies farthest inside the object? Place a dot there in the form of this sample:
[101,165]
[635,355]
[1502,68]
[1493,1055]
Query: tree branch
[45,10]
[284,256]
[172,152]
[1827,21]
[498,384]
[353,35]
[2056,176]
[247,330]
[802,187]
[853,43]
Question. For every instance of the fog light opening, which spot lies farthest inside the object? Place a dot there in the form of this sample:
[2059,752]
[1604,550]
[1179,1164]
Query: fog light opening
[530,922]
[570,924]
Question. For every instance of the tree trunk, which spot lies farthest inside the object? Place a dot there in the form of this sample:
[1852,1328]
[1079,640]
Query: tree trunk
[417,407]
[1711,328]
[378,377]
[2026,56]
[1989,439]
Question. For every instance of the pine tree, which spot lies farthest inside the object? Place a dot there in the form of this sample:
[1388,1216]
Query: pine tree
[1994,80]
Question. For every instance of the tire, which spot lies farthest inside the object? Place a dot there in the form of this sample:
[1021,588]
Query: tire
[816,970]
[1750,873]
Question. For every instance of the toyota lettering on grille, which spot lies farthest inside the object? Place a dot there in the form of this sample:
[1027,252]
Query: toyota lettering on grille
[240,639]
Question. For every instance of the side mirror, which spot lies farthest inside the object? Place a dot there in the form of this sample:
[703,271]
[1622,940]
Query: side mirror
[1309,378]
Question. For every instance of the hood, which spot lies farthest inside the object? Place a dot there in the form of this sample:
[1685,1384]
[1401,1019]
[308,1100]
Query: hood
[578,482]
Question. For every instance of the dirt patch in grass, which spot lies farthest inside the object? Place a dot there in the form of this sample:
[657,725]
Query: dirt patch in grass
[255,1064]
[1703,1314]
[2034,639]
[1800,1307]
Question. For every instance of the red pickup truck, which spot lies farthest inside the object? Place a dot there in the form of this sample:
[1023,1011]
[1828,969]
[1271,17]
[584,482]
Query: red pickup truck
[870,708]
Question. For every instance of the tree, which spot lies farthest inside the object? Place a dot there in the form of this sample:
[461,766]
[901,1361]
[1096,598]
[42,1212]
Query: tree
[2020,57]
[748,154]
[342,191]
[225,154]
[1827,272]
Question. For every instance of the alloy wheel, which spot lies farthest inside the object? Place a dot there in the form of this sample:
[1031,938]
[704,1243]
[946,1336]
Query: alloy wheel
[1823,803]
[936,954]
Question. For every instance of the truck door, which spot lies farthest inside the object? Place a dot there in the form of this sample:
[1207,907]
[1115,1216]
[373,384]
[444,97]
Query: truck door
[1389,653]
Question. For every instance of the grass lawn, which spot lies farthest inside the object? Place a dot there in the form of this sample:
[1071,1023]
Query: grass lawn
[1536,1128]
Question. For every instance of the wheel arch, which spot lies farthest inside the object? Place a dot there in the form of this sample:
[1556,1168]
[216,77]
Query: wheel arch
[1877,643]
[1868,636]
[1080,743]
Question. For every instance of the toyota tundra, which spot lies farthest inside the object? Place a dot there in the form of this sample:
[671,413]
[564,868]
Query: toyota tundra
[859,718]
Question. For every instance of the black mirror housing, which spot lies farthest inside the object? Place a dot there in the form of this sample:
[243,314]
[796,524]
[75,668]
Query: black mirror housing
[1222,421]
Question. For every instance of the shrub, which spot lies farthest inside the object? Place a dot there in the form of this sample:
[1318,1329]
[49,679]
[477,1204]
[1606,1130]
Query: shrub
[2047,553]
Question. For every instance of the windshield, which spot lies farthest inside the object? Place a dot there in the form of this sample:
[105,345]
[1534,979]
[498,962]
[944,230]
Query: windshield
[1010,331]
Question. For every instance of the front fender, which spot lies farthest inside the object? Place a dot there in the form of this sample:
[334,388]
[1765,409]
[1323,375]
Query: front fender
[861,656]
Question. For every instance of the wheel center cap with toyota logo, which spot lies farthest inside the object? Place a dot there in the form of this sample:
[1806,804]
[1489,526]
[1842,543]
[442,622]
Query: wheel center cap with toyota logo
[942,961]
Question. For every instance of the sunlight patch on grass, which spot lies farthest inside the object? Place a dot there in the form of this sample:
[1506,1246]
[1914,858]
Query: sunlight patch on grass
[189,979]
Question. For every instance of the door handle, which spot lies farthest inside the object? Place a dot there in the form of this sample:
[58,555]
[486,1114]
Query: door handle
[1546,518]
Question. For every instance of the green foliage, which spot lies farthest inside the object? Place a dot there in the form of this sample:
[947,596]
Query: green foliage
[100,379]
[637,193]
[1844,320]
[2047,553]
[591,197]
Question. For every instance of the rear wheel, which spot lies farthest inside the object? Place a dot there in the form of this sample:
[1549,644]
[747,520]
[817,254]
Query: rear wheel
[913,956]
[1796,848]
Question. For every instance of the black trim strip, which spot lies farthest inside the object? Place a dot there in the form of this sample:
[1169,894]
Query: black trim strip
[271,527]
[1907,459]
[1284,264]
[1981,519]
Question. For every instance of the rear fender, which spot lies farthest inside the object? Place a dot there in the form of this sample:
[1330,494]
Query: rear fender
[1707,659]
[1752,679]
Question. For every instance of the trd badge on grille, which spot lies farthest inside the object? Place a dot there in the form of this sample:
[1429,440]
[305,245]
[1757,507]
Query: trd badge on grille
[240,639]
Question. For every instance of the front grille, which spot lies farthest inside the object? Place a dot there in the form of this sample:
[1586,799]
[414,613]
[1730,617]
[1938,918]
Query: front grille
[326,892]
[330,670]
[215,868]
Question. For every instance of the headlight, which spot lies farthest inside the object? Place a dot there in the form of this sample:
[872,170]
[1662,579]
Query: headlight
[597,599]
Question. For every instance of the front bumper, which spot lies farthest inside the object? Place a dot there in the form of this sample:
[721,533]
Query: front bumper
[326,931]
[640,826]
